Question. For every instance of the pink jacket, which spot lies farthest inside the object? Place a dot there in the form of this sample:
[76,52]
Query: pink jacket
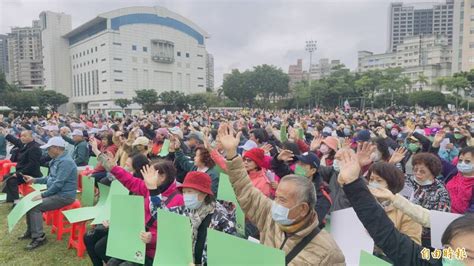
[138,187]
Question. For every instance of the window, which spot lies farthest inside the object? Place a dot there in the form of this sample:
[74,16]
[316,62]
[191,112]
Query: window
[145,49]
[118,92]
[117,59]
[104,71]
[178,54]
[118,80]
[187,55]
[200,55]
[117,43]
[103,59]
[471,45]
[102,44]
[87,51]
[92,50]
[200,86]
[200,68]
[134,47]
[96,48]
[104,80]
[201,78]
[118,71]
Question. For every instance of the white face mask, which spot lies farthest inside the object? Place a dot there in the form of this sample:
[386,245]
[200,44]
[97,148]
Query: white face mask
[280,214]
[191,201]
[423,183]
[336,166]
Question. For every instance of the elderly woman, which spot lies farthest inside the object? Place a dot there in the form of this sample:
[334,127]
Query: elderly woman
[428,191]
[254,162]
[461,186]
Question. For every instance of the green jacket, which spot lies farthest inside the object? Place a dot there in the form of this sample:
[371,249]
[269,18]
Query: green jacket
[80,155]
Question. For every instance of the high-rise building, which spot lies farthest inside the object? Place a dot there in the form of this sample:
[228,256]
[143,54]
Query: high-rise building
[323,69]
[25,56]
[209,72]
[56,59]
[427,55]
[124,50]
[295,72]
[419,19]
[463,44]
[3,54]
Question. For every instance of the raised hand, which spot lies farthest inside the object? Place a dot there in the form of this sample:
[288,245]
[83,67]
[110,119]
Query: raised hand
[382,193]
[108,161]
[350,167]
[364,150]
[347,143]
[398,155]
[228,140]
[438,138]
[315,143]
[285,155]
[151,177]
[94,146]
[145,237]
[267,148]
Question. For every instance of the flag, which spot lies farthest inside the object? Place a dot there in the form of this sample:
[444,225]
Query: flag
[347,106]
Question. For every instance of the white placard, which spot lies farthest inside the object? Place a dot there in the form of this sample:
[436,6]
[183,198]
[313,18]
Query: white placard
[349,233]
[439,221]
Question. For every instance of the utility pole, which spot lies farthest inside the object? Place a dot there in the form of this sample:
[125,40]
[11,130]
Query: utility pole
[310,48]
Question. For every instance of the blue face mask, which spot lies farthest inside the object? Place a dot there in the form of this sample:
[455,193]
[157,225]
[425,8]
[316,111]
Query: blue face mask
[280,214]
[191,201]
[452,262]
[465,168]
[347,132]
[336,166]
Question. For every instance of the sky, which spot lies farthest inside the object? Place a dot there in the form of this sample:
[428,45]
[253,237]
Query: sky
[247,33]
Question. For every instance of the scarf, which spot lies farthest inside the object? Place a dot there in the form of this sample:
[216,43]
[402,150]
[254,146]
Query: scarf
[460,190]
[294,228]
[197,216]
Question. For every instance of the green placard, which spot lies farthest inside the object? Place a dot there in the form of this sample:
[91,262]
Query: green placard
[103,194]
[165,148]
[44,170]
[226,192]
[225,249]
[367,259]
[88,191]
[103,211]
[3,197]
[22,208]
[92,161]
[39,187]
[174,241]
[81,214]
[127,221]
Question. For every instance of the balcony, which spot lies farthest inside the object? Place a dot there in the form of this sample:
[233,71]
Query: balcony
[163,59]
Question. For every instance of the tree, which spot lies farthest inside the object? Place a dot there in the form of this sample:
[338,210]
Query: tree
[147,99]
[422,81]
[21,101]
[455,84]
[50,99]
[269,81]
[238,87]
[369,84]
[440,82]
[427,98]
[122,103]
[5,89]
[173,100]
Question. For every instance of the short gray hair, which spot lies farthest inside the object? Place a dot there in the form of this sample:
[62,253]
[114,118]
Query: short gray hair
[305,189]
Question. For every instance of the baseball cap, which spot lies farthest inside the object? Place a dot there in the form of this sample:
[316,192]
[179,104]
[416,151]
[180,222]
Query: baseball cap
[77,132]
[55,141]
[197,136]
[141,141]
[363,135]
[309,158]
[248,145]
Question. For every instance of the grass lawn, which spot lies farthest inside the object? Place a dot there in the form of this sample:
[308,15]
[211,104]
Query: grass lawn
[54,252]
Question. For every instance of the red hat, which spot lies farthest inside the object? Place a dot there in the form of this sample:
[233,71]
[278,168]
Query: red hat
[331,142]
[257,155]
[197,180]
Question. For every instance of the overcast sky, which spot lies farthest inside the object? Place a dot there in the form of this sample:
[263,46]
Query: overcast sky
[247,33]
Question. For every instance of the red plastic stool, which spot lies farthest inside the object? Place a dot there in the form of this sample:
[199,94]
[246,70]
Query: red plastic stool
[76,239]
[2,170]
[48,217]
[60,224]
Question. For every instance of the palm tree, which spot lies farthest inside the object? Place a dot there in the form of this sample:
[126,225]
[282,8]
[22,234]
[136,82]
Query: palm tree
[422,80]
[440,82]
[406,84]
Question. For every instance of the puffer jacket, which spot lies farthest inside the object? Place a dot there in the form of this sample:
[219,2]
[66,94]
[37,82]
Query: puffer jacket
[137,186]
[322,250]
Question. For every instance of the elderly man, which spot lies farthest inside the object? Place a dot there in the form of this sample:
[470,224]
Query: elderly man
[27,156]
[61,190]
[80,154]
[289,222]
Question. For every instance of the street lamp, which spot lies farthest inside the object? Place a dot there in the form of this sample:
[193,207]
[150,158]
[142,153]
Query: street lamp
[310,48]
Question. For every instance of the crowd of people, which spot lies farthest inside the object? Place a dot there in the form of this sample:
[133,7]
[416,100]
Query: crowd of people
[289,170]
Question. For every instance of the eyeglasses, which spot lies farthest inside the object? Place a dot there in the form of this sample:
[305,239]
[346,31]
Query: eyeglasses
[417,170]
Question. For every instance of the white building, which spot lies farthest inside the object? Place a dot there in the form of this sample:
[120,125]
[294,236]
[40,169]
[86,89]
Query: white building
[3,55]
[56,59]
[130,49]
[210,72]
[323,69]
[428,56]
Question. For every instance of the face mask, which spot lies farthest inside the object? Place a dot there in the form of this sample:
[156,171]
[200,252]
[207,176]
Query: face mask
[452,262]
[420,131]
[324,149]
[191,201]
[423,183]
[389,126]
[347,132]
[412,147]
[374,185]
[128,169]
[299,170]
[458,136]
[376,156]
[336,166]
[465,168]
[394,132]
[280,214]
